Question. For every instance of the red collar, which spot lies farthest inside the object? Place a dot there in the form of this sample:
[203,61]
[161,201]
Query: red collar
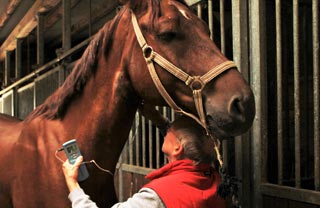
[178,166]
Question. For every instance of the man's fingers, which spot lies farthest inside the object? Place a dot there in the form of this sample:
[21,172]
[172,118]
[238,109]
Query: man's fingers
[78,161]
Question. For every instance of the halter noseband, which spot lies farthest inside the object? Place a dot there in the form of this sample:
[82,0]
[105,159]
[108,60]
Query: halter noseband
[196,83]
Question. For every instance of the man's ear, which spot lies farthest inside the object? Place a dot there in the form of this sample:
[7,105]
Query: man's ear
[178,150]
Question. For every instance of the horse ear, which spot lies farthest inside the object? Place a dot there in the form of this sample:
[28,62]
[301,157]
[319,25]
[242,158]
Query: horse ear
[136,6]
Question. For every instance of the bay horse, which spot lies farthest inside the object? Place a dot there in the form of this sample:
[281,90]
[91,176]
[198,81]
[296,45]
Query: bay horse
[98,101]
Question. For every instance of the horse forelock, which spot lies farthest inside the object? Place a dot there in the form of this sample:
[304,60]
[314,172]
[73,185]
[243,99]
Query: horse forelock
[55,106]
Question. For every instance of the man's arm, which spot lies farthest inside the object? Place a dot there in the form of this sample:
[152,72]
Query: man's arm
[144,198]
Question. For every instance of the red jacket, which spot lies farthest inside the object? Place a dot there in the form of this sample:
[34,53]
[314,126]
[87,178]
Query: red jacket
[182,184]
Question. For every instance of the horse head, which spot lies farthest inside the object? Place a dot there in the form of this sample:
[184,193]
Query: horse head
[183,68]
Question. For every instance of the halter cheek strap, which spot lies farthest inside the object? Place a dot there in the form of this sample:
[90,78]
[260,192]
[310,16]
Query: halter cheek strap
[196,83]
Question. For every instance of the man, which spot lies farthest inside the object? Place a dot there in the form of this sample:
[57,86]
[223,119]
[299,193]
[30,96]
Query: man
[188,180]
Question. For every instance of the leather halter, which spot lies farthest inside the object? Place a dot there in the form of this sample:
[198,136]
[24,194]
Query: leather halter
[196,83]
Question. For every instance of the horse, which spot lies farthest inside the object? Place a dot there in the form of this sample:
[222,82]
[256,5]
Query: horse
[98,101]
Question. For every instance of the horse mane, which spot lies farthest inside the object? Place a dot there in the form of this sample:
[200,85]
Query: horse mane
[54,107]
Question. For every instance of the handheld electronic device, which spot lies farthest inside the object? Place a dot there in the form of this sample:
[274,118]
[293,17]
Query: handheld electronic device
[72,151]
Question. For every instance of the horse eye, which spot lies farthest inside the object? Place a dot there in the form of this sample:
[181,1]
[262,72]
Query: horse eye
[167,36]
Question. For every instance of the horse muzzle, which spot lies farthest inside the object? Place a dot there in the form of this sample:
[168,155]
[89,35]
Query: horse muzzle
[232,119]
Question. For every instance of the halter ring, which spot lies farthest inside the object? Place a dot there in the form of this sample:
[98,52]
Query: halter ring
[148,53]
[196,83]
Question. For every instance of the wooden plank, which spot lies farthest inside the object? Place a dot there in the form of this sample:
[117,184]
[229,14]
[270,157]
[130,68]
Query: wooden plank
[26,25]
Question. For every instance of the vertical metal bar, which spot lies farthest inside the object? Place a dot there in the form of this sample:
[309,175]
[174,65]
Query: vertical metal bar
[166,115]
[137,139]
[199,10]
[120,179]
[157,146]
[1,105]
[18,58]
[28,62]
[34,94]
[143,121]
[258,81]
[18,68]
[172,115]
[316,97]
[130,144]
[66,25]
[240,56]
[296,68]
[7,68]
[279,91]
[150,143]
[210,18]
[40,39]
[225,153]
[222,27]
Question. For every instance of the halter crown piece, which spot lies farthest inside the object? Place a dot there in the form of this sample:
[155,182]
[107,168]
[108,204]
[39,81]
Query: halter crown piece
[196,84]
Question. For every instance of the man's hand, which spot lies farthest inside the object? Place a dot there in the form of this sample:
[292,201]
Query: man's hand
[71,173]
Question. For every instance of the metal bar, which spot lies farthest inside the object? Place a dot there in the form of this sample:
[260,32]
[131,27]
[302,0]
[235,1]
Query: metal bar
[46,66]
[150,143]
[258,81]
[210,18]
[166,115]
[225,153]
[7,69]
[120,178]
[130,145]
[1,105]
[199,11]
[157,146]
[143,121]
[316,97]
[291,193]
[241,143]
[18,68]
[296,68]
[222,28]
[18,58]
[137,139]
[279,91]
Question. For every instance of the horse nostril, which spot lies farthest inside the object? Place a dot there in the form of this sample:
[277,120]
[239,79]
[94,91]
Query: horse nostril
[236,109]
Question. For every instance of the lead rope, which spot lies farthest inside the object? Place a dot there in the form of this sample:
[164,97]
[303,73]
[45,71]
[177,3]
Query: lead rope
[229,184]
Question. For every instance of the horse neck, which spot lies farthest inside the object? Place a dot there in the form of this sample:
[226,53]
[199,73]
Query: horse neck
[102,117]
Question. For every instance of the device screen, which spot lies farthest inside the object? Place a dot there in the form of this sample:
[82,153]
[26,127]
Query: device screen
[72,149]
